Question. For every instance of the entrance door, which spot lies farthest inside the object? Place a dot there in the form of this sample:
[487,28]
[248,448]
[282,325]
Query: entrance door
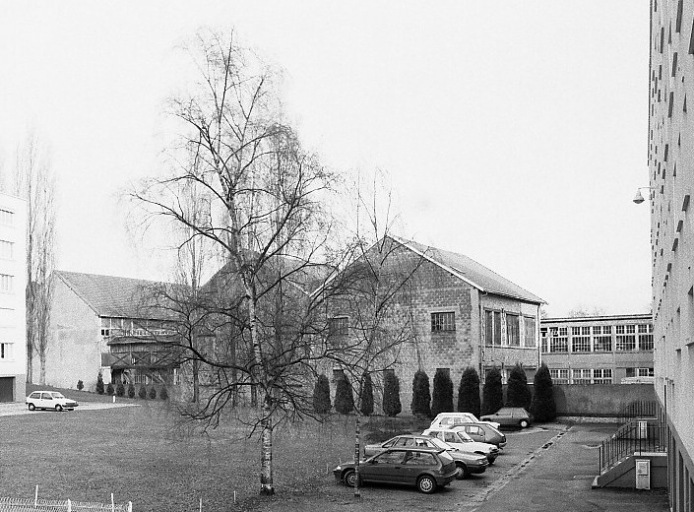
[6,389]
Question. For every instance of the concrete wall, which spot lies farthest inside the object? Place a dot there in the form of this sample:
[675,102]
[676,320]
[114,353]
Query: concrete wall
[599,400]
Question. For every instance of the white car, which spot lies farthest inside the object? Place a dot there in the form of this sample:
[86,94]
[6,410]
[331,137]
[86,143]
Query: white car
[50,400]
[463,442]
[451,419]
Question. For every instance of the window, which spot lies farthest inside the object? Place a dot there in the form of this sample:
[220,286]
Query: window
[420,459]
[443,321]
[529,328]
[639,372]
[645,337]
[581,376]
[338,326]
[6,283]
[512,330]
[6,217]
[492,329]
[678,22]
[580,339]
[544,340]
[602,338]
[390,458]
[558,341]
[6,351]
[6,250]
[559,375]
[602,376]
[626,338]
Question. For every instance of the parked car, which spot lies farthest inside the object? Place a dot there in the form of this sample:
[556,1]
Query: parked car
[450,419]
[466,462]
[49,400]
[462,441]
[510,417]
[425,468]
[484,433]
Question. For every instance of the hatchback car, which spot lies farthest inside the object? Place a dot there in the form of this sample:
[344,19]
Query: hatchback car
[484,433]
[49,400]
[510,417]
[425,468]
[450,419]
[464,442]
[467,463]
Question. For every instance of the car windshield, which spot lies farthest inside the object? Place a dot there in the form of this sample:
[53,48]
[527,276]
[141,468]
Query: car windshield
[441,444]
[464,438]
[57,395]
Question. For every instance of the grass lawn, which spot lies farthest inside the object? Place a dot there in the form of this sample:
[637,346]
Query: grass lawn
[145,455]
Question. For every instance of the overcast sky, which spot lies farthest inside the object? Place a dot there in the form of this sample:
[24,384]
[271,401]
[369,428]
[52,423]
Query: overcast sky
[514,132]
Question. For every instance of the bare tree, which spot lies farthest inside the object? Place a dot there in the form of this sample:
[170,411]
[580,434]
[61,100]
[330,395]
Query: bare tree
[34,181]
[266,218]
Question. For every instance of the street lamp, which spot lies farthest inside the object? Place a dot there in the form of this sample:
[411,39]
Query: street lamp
[638,198]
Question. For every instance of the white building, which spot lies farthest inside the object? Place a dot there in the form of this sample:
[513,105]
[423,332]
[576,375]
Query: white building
[13,349]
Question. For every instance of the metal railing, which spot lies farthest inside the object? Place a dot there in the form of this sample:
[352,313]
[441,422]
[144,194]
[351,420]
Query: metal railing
[635,437]
[638,409]
[40,505]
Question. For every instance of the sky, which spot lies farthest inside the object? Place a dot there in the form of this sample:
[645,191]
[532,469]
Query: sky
[513,132]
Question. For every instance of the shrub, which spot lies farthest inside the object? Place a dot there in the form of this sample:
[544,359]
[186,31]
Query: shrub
[99,384]
[164,394]
[152,393]
[366,397]
[518,393]
[421,396]
[344,400]
[321,395]
[131,390]
[109,389]
[142,393]
[120,389]
[543,406]
[492,392]
[442,397]
[391,395]
[469,392]
[80,386]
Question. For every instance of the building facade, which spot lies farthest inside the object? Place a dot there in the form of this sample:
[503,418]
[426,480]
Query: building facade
[598,349]
[671,184]
[13,342]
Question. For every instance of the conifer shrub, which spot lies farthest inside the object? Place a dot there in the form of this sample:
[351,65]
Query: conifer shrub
[321,395]
[543,406]
[421,395]
[518,393]
[492,392]
[366,398]
[164,394]
[391,395]
[120,389]
[131,390]
[469,392]
[152,393]
[100,384]
[142,393]
[80,386]
[442,397]
[344,399]
[109,389]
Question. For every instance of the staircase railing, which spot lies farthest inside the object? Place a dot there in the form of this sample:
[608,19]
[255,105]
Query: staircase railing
[635,437]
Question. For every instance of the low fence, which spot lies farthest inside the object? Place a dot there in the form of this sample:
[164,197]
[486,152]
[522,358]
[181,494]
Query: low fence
[40,505]
[636,437]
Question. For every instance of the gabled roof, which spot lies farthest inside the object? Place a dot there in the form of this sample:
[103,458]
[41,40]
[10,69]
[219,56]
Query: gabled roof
[471,272]
[118,297]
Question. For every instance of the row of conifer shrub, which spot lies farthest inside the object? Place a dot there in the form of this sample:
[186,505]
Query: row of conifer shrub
[121,390]
[425,403]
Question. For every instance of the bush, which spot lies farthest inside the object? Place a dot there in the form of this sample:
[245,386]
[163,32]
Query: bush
[120,389]
[321,395]
[344,400]
[152,393]
[518,393]
[442,397]
[543,406]
[391,395]
[142,393]
[469,392]
[492,392]
[131,390]
[109,389]
[421,395]
[164,394]
[80,386]
[366,397]
[99,384]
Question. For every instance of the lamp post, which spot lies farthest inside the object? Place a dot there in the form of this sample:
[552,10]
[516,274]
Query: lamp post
[638,198]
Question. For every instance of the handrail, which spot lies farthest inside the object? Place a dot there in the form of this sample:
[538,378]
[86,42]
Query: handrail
[635,437]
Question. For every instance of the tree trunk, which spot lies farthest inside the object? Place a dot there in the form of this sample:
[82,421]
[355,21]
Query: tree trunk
[357,449]
[196,381]
[266,483]
[42,357]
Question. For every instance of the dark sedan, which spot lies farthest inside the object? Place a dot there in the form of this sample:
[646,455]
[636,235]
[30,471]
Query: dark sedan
[484,433]
[425,468]
[510,417]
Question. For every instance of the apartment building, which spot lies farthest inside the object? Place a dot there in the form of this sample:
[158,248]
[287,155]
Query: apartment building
[598,349]
[671,184]
[13,349]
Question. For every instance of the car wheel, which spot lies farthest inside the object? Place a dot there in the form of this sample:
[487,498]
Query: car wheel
[523,424]
[462,472]
[32,407]
[426,484]
[59,408]
[350,478]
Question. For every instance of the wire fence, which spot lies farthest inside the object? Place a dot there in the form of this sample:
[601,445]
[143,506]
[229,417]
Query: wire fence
[41,505]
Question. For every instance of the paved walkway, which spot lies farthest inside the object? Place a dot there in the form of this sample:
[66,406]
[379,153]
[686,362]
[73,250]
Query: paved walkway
[558,477]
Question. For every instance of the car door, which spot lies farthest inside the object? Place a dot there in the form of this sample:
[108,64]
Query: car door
[46,401]
[415,464]
[384,468]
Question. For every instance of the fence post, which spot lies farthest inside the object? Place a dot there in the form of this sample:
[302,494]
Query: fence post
[36,497]
[113,505]
[69,505]
[130,506]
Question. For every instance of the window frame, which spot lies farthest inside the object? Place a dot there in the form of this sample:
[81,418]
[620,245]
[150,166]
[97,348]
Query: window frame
[442,321]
